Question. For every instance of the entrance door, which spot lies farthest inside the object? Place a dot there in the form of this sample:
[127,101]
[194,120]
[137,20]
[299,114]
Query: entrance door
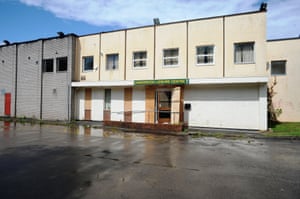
[164,106]
[7,104]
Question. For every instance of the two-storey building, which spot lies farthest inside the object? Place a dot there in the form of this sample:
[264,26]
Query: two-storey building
[207,72]
[36,76]
[210,72]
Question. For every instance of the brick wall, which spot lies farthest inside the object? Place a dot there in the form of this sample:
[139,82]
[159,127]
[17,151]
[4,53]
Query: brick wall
[150,104]
[146,127]
[128,104]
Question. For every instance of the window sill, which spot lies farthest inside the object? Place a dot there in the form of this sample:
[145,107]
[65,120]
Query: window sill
[170,66]
[280,75]
[209,64]
[140,68]
[244,63]
[88,71]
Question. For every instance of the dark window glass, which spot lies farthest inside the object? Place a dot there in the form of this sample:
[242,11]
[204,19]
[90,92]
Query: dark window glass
[62,64]
[88,63]
[48,65]
[107,99]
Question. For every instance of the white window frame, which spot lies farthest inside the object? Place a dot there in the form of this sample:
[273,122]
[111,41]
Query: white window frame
[117,66]
[173,57]
[253,53]
[83,64]
[204,55]
[139,60]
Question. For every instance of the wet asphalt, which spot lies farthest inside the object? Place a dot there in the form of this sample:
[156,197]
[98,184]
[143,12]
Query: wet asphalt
[59,162]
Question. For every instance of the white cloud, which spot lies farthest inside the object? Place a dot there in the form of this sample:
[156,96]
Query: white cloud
[283,17]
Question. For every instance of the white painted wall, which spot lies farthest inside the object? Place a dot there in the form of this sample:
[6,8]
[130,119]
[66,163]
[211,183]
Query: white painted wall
[117,104]
[138,104]
[79,104]
[263,107]
[97,104]
[237,107]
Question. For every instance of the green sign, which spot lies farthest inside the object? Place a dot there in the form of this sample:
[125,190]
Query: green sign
[162,82]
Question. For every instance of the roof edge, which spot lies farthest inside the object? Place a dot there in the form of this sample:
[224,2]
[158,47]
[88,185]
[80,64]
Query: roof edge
[40,39]
[283,39]
[175,22]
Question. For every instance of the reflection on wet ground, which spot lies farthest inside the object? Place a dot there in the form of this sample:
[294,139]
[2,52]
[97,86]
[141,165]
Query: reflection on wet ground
[9,127]
[47,161]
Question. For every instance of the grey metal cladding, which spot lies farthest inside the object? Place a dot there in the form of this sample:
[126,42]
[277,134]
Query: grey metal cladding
[39,95]
[7,75]
[56,100]
[29,79]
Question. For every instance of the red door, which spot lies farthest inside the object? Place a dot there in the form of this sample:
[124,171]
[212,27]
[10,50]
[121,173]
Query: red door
[7,104]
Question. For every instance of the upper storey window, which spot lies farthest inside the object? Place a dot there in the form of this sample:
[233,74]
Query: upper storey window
[140,59]
[62,64]
[48,65]
[244,53]
[205,55]
[170,57]
[278,67]
[112,61]
[88,63]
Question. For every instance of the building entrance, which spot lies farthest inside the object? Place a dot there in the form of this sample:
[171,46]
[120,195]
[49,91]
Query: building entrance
[164,103]
[7,104]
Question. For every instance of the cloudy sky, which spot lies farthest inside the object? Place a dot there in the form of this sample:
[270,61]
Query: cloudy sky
[32,19]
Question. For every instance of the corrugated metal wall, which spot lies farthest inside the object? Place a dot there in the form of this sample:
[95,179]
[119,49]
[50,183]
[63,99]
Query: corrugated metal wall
[7,76]
[39,95]
[56,84]
[29,79]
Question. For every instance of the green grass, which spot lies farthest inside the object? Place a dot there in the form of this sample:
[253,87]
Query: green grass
[285,129]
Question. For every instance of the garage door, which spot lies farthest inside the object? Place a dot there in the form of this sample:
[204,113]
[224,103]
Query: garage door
[223,106]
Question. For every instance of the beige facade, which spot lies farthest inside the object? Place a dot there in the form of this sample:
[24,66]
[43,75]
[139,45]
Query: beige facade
[222,33]
[171,36]
[246,28]
[87,46]
[212,34]
[113,43]
[141,39]
[164,74]
[287,94]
